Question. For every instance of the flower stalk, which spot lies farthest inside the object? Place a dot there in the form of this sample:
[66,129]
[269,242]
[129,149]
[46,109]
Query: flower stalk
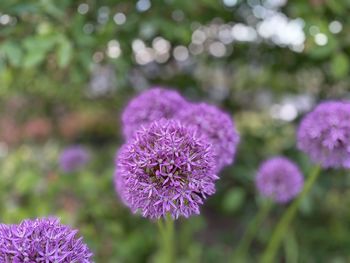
[167,239]
[288,216]
[240,253]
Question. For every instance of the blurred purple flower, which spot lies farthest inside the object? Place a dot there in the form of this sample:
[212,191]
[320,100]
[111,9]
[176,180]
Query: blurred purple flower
[217,126]
[279,179]
[165,168]
[42,240]
[150,105]
[324,134]
[73,158]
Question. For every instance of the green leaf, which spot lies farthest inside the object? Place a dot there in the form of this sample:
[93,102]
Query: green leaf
[33,58]
[43,42]
[336,6]
[26,181]
[51,8]
[37,48]
[13,53]
[21,8]
[64,53]
[233,200]
[321,52]
[339,66]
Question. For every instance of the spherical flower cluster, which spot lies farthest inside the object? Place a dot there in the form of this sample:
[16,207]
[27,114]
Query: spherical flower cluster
[324,134]
[217,126]
[43,241]
[151,105]
[279,179]
[73,158]
[165,169]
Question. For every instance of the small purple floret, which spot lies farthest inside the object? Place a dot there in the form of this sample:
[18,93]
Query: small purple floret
[217,126]
[73,158]
[165,169]
[151,105]
[324,134]
[279,179]
[42,240]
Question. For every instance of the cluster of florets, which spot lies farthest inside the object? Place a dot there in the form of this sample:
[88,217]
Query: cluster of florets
[324,134]
[217,126]
[167,168]
[73,158]
[279,179]
[151,105]
[43,241]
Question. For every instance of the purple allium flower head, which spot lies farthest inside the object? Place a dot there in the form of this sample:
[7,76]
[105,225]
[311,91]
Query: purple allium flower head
[324,134]
[73,158]
[151,105]
[42,240]
[217,126]
[166,168]
[279,179]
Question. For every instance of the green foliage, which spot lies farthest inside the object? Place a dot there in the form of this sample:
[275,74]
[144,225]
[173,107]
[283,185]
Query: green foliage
[340,66]
[233,200]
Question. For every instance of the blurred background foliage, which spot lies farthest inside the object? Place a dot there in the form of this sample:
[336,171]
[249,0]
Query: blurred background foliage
[67,68]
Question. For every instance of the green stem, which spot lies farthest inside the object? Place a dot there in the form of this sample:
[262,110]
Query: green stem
[241,251]
[291,247]
[282,226]
[167,240]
